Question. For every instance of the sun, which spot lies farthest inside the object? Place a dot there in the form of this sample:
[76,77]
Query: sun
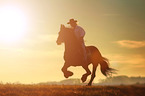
[12,24]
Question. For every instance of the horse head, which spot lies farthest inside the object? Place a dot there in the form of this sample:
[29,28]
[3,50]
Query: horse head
[60,38]
[65,35]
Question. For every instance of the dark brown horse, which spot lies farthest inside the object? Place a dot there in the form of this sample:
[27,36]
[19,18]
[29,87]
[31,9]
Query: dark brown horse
[72,56]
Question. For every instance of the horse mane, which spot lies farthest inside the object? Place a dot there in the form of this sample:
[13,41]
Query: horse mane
[70,36]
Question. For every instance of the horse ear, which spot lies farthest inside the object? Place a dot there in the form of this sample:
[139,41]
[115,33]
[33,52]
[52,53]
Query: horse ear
[62,26]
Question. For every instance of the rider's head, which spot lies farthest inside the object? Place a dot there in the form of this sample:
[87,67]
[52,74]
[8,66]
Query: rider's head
[72,22]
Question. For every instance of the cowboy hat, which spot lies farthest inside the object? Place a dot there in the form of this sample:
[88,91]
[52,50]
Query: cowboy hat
[72,21]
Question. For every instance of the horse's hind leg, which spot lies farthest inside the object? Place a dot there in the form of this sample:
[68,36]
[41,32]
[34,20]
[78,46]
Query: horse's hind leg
[65,71]
[93,75]
[84,77]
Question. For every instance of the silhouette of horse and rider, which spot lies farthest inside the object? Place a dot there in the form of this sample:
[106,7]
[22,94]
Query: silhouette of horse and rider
[77,54]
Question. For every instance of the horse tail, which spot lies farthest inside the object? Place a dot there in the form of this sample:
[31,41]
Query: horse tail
[105,69]
[104,62]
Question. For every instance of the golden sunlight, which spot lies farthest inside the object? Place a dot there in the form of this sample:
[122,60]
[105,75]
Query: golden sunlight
[12,24]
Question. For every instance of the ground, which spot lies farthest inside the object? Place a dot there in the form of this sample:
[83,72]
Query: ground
[70,90]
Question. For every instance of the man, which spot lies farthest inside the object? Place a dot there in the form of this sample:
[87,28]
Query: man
[79,33]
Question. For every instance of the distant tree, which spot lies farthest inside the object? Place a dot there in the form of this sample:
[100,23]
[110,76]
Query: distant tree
[70,82]
[122,80]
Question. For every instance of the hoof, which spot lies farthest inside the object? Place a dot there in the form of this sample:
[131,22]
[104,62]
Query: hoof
[68,74]
[84,78]
[89,84]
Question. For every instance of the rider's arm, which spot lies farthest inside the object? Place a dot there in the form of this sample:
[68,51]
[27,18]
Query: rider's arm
[82,34]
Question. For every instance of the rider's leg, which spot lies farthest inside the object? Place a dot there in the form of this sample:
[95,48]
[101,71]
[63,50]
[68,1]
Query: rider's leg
[84,53]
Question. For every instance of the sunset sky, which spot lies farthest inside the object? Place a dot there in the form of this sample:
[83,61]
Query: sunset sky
[29,29]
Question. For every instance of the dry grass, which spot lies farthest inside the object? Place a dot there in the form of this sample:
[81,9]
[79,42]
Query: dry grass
[64,90]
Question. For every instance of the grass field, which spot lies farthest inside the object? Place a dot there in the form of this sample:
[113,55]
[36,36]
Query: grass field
[68,90]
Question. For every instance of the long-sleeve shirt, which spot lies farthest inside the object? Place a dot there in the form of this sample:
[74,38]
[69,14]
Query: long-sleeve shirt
[79,32]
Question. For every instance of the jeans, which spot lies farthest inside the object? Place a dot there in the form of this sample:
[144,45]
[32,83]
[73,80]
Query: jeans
[84,52]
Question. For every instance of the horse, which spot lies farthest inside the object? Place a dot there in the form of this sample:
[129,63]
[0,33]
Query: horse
[73,57]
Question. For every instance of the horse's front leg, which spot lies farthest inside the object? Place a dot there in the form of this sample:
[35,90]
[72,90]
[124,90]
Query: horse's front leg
[84,77]
[65,71]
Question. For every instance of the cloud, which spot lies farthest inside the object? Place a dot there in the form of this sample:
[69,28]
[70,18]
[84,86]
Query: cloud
[131,44]
[41,38]
[126,60]
[48,38]
[111,14]
[43,43]
[130,64]
[129,59]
